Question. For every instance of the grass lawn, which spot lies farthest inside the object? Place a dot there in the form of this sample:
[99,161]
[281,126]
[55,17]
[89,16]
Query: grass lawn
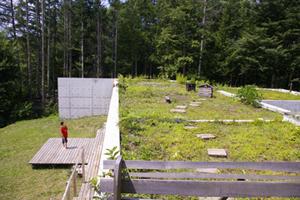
[155,140]
[18,144]
[150,131]
[267,94]
[146,100]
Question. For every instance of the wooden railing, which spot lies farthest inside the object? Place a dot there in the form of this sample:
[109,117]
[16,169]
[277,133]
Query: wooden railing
[190,183]
[73,180]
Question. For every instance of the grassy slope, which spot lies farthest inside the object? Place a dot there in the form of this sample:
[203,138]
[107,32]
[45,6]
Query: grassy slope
[18,144]
[149,130]
[267,94]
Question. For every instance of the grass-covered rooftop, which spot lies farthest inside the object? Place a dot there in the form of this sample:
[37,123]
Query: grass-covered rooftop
[150,131]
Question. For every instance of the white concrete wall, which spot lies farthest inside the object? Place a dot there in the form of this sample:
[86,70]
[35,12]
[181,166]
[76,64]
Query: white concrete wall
[79,97]
[112,131]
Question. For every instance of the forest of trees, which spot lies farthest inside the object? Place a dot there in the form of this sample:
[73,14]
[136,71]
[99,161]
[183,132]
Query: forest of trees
[236,42]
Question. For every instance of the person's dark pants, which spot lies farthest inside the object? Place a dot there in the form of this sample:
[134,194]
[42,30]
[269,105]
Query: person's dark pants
[64,140]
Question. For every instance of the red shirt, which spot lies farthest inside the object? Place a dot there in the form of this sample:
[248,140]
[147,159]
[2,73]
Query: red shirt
[64,131]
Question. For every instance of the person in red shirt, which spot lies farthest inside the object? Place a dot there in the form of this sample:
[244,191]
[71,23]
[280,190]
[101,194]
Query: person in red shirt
[64,134]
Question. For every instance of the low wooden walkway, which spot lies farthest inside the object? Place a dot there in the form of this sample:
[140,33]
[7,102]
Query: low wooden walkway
[86,191]
[53,152]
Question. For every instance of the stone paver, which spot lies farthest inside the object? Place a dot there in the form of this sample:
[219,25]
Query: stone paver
[206,136]
[190,127]
[194,104]
[178,110]
[217,152]
[208,170]
[181,107]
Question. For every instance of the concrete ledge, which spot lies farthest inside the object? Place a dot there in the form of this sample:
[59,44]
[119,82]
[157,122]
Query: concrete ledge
[228,94]
[273,108]
[291,119]
[112,130]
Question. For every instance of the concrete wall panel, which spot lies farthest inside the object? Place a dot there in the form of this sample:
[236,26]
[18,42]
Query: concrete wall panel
[79,97]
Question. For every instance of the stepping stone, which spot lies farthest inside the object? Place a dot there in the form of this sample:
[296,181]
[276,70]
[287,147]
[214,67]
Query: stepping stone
[206,136]
[202,99]
[194,104]
[181,107]
[190,127]
[217,152]
[198,102]
[208,170]
[178,110]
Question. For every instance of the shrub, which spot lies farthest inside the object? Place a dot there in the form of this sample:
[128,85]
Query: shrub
[180,78]
[192,81]
[249,95]
[22,111]
[122,84]
[51,107]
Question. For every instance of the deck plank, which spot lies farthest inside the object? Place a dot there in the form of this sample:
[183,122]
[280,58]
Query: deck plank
[86,191]
[52,152]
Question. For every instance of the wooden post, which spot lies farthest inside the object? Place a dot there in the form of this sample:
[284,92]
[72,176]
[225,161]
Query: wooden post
[117,178]
[68,193]
[75,182]
[83,165]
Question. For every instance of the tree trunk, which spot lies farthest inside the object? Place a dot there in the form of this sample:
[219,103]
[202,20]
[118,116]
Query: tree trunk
[150,72]
[28,53]
[70,37]
[116,44]
[135,66]
[43,54]
[202,40]
[82,53]
[38,49]
[98,61]
[13,19]
[273,80]
[66,38]
[48,59]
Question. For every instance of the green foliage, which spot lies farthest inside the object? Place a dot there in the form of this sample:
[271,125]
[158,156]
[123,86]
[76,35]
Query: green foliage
[23,111]
[180,78]
[112,153]
[10,91]
[267,94]
[122,83]
[249,95]
[51,108]
[192,80]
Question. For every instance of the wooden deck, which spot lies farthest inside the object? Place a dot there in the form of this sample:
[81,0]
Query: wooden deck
[86,192]
[53,152]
